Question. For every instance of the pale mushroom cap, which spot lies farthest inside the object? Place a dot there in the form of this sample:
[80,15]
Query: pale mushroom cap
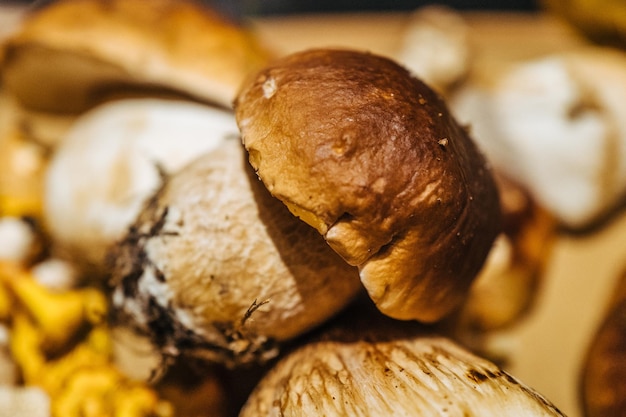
[371,158]
[557,125]
[56,274]
[225,265]
[70,54]
[110,163]
[435,46]
[24,401]
[17,240]
[369,375]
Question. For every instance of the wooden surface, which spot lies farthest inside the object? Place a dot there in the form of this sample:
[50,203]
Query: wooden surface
[549,345]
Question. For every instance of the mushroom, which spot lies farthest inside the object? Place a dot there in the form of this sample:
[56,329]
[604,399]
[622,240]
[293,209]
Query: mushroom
[71,54]
[382,368]
[56,274]
[372,159]
[603,377]
[216,268]
[24,401]
[435,47]
[112,160]
[557,125]
[18,241]
[507,286]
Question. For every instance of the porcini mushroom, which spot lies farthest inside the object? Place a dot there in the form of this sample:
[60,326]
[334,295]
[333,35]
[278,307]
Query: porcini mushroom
[384,368]
[70,54]
[372,159]
[216,268]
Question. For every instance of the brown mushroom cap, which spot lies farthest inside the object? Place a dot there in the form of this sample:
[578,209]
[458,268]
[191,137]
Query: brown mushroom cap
[371,157]
[71,53]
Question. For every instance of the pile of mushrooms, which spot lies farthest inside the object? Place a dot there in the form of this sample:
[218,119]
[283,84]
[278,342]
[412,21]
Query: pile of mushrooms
[363,174]
[321,234]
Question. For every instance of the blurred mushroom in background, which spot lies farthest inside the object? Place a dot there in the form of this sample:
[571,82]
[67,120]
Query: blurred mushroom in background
[556,125]
[69,56]
[603,375]
[112,160]
[435,46]
[512,278]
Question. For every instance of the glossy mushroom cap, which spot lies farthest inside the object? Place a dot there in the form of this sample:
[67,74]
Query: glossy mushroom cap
[371,157]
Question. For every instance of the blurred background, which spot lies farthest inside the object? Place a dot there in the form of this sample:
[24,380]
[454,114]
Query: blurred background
[266,7]
[275,7]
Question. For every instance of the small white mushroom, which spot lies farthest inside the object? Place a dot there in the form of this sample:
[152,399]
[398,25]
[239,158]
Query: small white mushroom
[55,274]
[113,159]
[17,240]
[558,126]
[24,402]
[216,267]
[436,47]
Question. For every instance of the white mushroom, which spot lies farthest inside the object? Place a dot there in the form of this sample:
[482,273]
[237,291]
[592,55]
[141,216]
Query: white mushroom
[113,159]
[55,274]
[17,240]
[436,47]
[24,402]
[216,267]
[558,126]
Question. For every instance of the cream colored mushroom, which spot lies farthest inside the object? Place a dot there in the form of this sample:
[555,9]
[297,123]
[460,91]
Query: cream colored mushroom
[435,46]
[17,240]
[24,402]
[217,268]
[385,369]
[557,125]
[112,160]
